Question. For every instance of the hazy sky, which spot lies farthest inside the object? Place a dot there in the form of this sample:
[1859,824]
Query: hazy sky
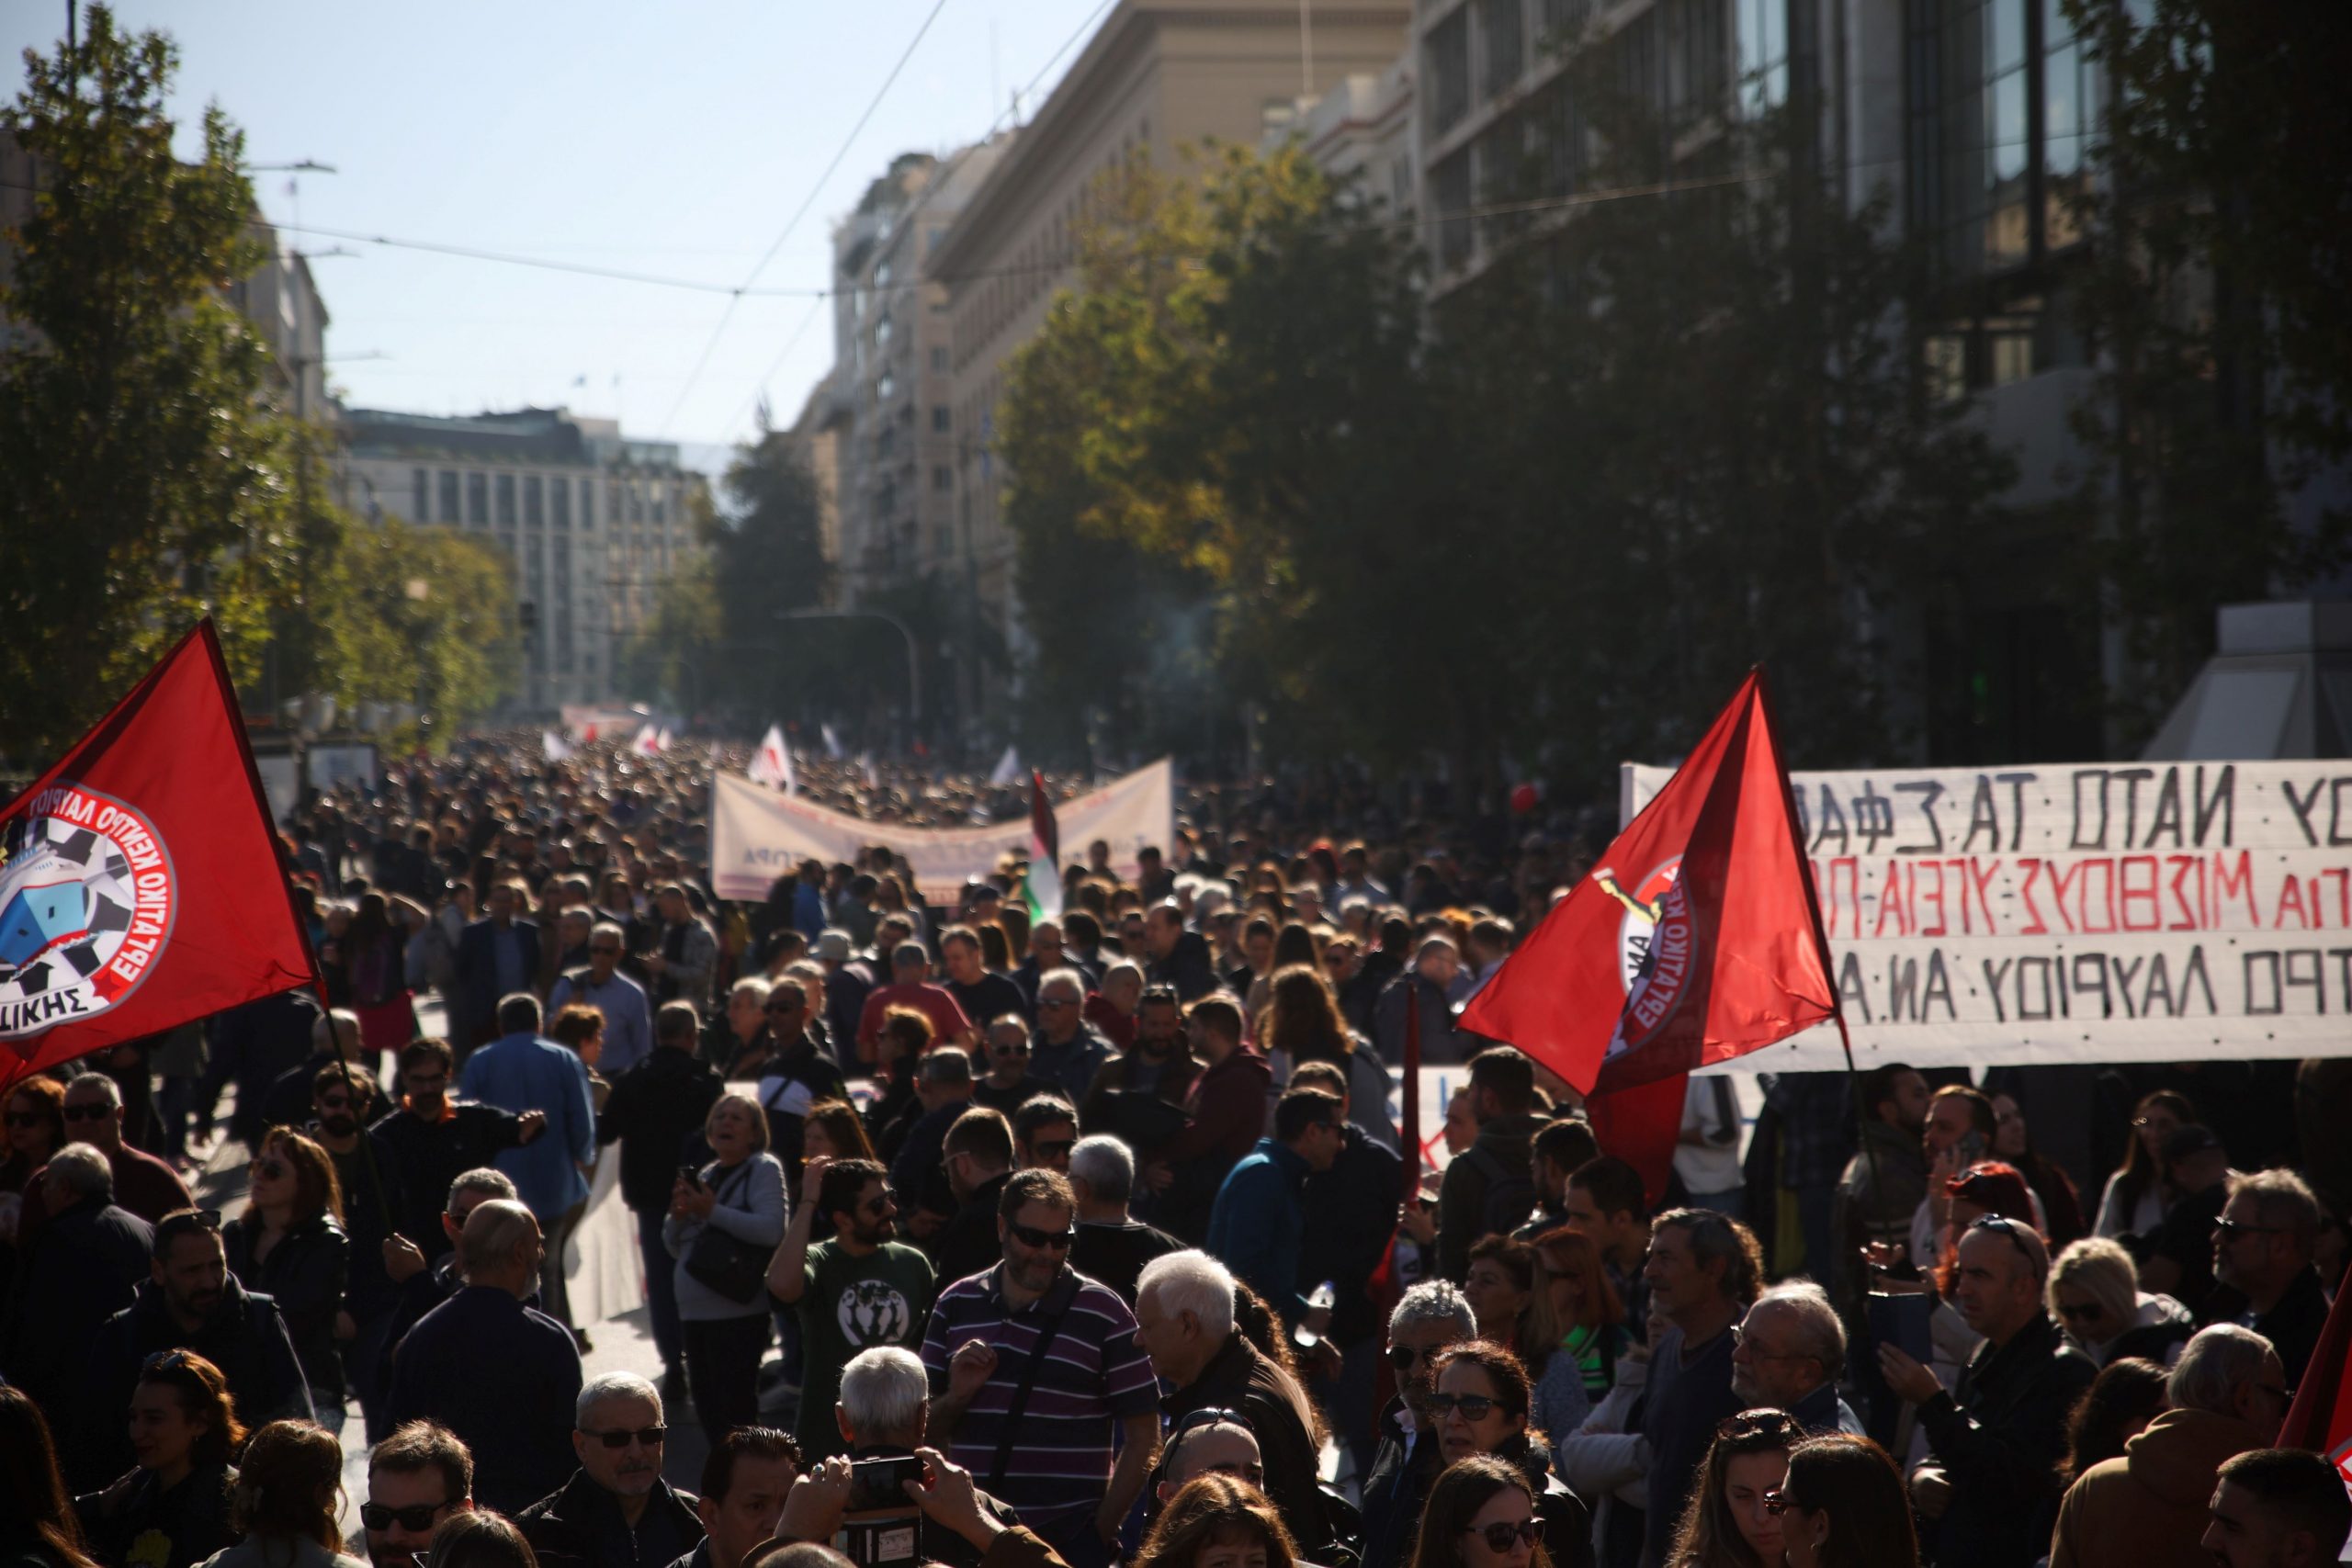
[673,139]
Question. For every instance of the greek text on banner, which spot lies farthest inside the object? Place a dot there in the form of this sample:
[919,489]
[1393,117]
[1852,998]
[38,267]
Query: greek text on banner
[758,835]
[2076,913]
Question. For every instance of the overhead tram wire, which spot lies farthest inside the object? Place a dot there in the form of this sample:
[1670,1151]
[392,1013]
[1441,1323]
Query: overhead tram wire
[924,196]
[814,189]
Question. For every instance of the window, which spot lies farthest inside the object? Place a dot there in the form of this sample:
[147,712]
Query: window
[636,502]
[884,386]
[943,478]
[1503,37]
[420,505]
[1450,195]
[478,500]
[534,507]
[661,502]
[560,562]
[939,359]
[506,501]
[559,502]
[939,419]
[587,507]
[2065,125]
[1763,53]
[1449,71]
[1980,82]
[450,495]
[1696,54]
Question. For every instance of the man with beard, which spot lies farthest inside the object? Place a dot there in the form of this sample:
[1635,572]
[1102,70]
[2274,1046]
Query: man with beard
[1787,1354]
[416,1478]
[342,1098]
[1160,1065]
[1179,958]
[856,1289]
[435,1138]
[190,1301]
[616,1511]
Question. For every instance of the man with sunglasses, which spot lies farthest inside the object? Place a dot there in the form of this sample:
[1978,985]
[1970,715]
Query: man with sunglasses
[1185,1323]
[417,1477]
[1999,1437]
[1032,1364]
[142,1184]
[798,1073]
[628,1017]
[616,1511]
[1431,1317]
[2262,1250]
[653,1110]
[1008,1085]
[857,1288]
[1067,1051]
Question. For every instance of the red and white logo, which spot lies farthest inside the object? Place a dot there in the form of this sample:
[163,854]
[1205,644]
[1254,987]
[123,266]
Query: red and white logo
[87,898]
[1655,942]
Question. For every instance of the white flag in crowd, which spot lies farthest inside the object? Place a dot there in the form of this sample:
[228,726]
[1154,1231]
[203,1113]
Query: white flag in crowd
[832,741]
[772,764]
[1008,768]
[554,747]
[647,743]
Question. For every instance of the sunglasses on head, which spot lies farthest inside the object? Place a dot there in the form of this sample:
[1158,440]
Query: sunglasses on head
[164,1361]
[94,1110]
[1210,1415]
[1473,1406]
[1030,1235]
[416,1518]
[649,1437]
[1776,1424]
[1502,1537]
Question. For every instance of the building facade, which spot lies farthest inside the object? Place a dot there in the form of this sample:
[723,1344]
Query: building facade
[1158,75]
[591,523]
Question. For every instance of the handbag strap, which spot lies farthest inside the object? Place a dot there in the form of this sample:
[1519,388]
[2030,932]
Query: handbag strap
[1046,1331]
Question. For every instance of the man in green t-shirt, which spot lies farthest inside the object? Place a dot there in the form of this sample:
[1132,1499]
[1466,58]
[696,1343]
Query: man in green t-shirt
[857,1290]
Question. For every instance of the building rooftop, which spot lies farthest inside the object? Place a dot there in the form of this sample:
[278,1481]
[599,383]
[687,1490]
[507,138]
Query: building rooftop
[520,436]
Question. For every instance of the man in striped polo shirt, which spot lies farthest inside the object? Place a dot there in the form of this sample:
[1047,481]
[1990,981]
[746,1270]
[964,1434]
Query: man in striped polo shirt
[1032,1367]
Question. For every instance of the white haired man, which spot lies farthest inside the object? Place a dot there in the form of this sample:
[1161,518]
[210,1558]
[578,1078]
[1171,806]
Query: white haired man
[616,1511]
[884,1412]
[1788,1353]
[1185,1323]
[1113,1246]
[1432,1316]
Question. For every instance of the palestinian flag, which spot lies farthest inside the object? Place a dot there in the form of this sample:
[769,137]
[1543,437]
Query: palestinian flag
[1042,889]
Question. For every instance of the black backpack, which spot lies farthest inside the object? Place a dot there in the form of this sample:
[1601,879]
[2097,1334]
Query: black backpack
[1510,1194]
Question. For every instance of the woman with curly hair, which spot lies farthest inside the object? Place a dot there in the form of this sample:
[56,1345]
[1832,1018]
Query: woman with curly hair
[1218,1522]
[286,1495]
[1301,1024]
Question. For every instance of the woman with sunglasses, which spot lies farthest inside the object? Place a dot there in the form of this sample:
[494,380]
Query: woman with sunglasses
[1218,1521]
[285,1501]
[1479,1406]
[290,1244]
[173,1510]
[1843,1506]
[2094,1294]
[1482,1513]
[35,1129]
[1726,1523]
[739,1195]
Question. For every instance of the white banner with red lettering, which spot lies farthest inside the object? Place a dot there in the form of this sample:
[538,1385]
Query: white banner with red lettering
[757,835]
[2110,912]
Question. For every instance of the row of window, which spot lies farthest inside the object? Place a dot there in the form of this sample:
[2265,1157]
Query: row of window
[436,496]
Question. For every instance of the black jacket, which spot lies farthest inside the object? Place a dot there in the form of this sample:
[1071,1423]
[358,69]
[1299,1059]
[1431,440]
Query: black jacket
[581,1527]
[803,1067]
[654,1108]
[1999,1437]
[1238,1378]
[304,1274]
[431,1155]
[1187,967]
[2293,1323]
[1353,1212]
[245,1338]
[1395,1490]
[1567,1523]
[968,1244]
[502,1377]
[80,1270]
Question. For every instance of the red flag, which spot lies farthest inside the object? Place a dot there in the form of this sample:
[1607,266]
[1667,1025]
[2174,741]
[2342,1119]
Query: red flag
[1696,939]
[2321,1417]
[140,880]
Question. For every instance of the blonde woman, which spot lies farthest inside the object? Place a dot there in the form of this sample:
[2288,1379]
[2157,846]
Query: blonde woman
[723,1224]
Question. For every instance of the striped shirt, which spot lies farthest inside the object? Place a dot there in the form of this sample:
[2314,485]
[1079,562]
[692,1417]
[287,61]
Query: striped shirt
[1093,1375]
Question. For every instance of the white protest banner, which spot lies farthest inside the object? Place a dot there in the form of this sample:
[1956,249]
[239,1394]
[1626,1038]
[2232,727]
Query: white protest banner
[757,835]
[2100,912]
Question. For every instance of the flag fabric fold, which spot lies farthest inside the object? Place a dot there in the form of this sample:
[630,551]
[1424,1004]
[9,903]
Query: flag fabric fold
[772,764]
[141,880]
[1041,889]
[1008,768]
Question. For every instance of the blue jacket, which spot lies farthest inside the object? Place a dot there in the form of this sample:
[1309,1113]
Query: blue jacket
[525,1072]
[808,912]
[1257,1226]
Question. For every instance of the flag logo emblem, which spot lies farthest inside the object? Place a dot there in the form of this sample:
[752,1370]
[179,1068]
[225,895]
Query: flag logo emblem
[1654,947]
[86,902]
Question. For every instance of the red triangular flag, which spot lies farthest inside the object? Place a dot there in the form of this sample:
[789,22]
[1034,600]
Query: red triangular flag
[1694,940]
[140,879]
[2321,1417]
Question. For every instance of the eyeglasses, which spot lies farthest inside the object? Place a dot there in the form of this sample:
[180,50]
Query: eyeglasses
[1055,1148]
[2081,1311]
[1043,1002]
[1402,1356]
[1777,1424]
[1162,994]
[94,1110]
[1054,1241]
[649,1437]
[2230,1230]
[1502,1537]
[877,1204]
[416,1518]
[1010,1048]
[1473,1406]
[1777,1503]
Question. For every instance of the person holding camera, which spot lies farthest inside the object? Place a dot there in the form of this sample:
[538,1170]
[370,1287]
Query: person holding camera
[725,1220]
[884,1418]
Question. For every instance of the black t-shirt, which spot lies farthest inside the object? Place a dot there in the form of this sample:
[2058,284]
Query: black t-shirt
[986,999]
[1115,1254]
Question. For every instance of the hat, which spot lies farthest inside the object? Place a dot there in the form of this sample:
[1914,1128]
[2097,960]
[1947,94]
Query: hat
[2193,1139]
[834,945]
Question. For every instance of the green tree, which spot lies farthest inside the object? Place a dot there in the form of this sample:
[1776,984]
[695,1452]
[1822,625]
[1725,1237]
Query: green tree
[2219,295]
[422,616]
[142,483]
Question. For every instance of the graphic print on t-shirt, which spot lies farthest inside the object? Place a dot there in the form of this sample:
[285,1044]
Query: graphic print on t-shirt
[872,1312]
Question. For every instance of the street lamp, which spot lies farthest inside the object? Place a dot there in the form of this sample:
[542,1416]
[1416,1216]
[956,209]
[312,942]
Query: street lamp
[914,659]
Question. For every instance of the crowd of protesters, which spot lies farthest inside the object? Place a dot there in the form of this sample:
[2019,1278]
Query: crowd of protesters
[984,1239]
